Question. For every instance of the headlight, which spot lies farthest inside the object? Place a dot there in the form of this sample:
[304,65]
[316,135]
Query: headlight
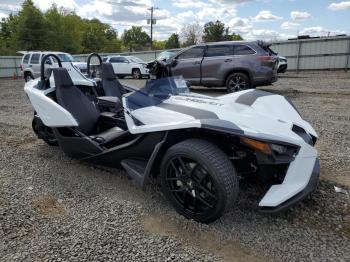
[279,148]
[267,148]
[257,145]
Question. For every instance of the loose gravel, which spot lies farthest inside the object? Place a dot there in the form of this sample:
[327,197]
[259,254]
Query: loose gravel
[53,208]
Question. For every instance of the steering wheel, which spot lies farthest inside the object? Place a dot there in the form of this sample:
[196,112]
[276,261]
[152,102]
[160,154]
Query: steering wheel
[42,67]
[88,63]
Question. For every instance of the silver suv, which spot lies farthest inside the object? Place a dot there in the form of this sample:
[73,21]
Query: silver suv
[236,65]
[31,61]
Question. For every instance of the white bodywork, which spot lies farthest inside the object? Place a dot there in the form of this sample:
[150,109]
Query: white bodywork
[263,120]
[270,117]
[281,61]
[126,65]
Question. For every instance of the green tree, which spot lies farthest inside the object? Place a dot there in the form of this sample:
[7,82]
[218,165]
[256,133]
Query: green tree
[235,37]
[8,35]
[159,45]
[64,30]
[173,41]
[135,36]
[32,31]
[57,29]
[215,32]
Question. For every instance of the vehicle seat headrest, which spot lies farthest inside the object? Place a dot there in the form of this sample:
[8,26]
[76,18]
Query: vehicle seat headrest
[62,77]
[108,71]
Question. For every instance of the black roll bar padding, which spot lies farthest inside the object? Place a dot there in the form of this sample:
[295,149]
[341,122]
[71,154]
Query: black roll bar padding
[88,62]
[42,66]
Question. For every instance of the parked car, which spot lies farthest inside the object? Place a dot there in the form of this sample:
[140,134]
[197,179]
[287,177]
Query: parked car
[238,65]
[31,61]
[127,66]
[282,64]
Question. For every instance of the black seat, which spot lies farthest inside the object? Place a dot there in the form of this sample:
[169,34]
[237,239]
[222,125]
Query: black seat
[82,109]
[110,84]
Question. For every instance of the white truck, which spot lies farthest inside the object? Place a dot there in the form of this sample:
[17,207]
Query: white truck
[31,61]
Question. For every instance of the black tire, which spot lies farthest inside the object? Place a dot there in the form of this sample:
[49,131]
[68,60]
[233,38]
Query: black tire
[44,132]
[136,73]
[209,176]
[28,77]
[237,82]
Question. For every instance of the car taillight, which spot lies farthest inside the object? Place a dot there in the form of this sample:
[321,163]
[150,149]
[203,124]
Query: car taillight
[266,58]
[21,67]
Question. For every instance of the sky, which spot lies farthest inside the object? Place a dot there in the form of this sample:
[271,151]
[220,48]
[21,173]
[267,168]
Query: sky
[253,19]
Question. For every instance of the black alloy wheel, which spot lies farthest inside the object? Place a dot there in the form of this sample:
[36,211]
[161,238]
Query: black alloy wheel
[237,82]
[28,77]
[136,73]
[199,180]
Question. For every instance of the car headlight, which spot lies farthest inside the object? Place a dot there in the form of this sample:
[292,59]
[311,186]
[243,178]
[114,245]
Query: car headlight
[257,145]
[279,149]
[268,148]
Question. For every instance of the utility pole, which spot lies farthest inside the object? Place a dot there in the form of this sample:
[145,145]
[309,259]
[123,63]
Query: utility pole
[152,22]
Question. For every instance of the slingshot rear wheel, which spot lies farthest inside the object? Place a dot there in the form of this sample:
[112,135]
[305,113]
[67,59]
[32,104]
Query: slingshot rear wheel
[44,132]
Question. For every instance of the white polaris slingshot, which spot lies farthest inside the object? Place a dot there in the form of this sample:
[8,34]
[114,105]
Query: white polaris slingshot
[196,146]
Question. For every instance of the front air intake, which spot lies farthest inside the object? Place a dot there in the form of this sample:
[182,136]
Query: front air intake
[311,140]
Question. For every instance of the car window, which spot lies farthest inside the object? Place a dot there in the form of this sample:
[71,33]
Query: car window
[54,60]
[195,52]
[26,59]
[65,57]
[219,50]
[243,50]
[104,59]
[135,59]
[118,60]
[35,59]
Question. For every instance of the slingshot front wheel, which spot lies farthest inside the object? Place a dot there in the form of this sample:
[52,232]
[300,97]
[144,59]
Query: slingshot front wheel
[199,180]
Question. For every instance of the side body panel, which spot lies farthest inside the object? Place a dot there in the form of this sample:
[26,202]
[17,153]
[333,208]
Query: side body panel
[51,113]
[189,68]
[214,70]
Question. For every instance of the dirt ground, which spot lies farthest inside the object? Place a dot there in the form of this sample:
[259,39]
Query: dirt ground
[53,208]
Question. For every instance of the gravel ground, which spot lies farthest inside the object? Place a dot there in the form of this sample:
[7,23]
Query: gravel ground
[53,208]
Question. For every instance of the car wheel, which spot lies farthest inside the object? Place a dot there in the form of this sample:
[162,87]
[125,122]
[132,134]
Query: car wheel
[45,133]
[199,180]
[136,73]
[28,77]
[237,82]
